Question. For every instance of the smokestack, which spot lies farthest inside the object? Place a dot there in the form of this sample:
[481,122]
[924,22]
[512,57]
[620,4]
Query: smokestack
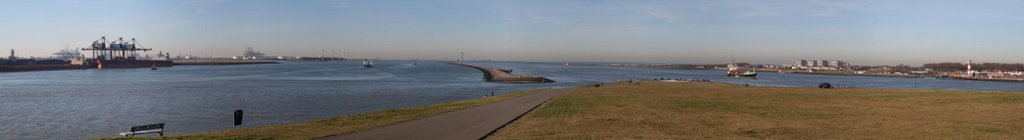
[12,54]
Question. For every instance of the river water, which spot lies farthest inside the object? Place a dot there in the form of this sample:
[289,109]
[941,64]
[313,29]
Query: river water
[79,104]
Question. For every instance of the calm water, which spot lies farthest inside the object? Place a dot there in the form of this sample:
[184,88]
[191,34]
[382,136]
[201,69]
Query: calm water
[80,104]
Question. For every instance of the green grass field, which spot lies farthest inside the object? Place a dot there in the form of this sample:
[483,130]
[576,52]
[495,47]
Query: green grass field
[656,110]
[340,125]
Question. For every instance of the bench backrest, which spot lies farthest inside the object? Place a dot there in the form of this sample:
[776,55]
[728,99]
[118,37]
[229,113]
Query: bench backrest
[148,127]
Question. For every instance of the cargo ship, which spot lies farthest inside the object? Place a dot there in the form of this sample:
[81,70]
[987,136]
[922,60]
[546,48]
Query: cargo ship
[129,63]
[122,54]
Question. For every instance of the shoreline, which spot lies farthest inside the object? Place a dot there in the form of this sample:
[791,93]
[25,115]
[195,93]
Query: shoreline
[915,76]
[862,75]
[984,79]
[41,67]
[849,74]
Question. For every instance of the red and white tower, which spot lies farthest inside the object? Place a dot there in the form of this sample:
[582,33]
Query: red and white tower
[969,72]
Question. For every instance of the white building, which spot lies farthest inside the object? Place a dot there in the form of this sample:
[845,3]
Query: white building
[842,64]
[821,64]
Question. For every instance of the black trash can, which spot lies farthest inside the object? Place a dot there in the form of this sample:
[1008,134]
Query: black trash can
[238,117]
[825,85]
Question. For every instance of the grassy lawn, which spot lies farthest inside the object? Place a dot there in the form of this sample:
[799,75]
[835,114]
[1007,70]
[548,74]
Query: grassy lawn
[341,125]
[656,110]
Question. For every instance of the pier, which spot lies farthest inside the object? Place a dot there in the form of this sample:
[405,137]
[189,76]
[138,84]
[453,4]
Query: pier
[499,75]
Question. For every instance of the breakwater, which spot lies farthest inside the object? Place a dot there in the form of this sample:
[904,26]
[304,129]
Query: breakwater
[221,62]
[506,76]
[984,79]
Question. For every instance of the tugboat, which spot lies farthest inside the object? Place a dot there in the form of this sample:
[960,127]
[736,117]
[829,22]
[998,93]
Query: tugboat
[367,63]
[734,71]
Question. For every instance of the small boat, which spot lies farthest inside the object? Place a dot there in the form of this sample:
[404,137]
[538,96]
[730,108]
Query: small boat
[99,64]
[743,74]
[367,63]
[415,61]
[153,68]
[734,71]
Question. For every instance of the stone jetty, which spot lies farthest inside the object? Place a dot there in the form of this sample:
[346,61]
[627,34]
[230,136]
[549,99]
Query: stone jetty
[505,76]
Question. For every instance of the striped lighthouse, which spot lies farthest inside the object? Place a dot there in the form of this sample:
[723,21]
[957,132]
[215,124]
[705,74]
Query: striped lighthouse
[969,72]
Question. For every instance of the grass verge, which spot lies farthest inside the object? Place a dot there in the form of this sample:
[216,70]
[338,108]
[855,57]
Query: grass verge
[340,125]
[658,110]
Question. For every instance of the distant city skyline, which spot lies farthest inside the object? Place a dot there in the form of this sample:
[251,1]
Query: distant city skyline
[871,32]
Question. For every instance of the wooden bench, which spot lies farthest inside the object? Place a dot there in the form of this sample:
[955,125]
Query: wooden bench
[145,129]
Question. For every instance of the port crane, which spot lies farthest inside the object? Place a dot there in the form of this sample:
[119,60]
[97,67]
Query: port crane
[119,49]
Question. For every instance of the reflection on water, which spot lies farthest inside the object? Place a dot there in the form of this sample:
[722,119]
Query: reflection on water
[92,103]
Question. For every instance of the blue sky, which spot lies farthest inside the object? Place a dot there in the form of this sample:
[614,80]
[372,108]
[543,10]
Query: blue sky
[699,31]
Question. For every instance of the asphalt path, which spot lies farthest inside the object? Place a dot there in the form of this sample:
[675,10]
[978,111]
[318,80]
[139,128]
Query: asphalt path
[467,124]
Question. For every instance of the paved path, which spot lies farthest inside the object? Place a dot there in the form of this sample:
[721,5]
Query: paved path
[467,124]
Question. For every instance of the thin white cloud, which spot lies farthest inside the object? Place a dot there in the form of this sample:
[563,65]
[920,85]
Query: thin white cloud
[664,15]
[805,8]
[200,4]
[170,26]
[339,4]
[826,8]
[342,5]
[549,20]
[206,1]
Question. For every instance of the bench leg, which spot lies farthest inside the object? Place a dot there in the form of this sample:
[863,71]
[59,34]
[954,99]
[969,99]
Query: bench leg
[161,134]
